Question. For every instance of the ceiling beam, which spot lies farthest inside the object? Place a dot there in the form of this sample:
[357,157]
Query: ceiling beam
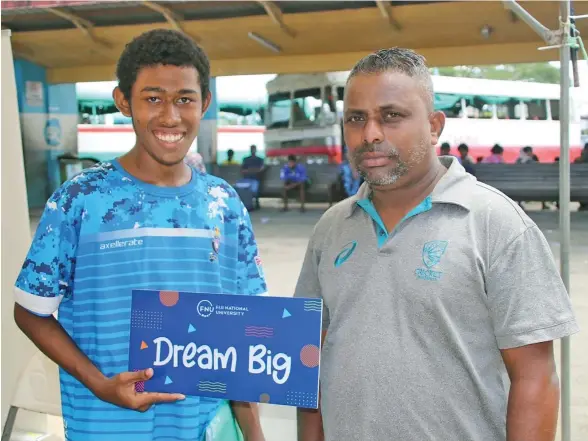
[173,18]
[385,8]
[23,52]
[436,57]
[277,17]
[85,26]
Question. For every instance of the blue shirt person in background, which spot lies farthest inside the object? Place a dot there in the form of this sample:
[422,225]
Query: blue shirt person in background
[294,177]
[252,169]
[351,179]
[146,220]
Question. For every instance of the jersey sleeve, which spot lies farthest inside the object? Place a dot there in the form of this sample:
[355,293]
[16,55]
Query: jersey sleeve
[527,299]
[250,275]
[308,284]
[46,276]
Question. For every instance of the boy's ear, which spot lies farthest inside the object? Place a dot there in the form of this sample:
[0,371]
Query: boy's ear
[206,102]
[121,102]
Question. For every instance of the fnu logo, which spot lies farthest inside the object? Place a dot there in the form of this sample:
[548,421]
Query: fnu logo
[345,253]
[204,308]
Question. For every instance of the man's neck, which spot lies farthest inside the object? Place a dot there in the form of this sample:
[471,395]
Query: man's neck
[142,166]
[405,197]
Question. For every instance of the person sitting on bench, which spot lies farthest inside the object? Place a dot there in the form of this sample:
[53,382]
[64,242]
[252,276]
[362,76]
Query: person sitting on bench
[294,176]
[252,169]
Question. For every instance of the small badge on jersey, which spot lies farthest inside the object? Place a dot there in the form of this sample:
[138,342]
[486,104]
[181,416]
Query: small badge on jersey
[215,244]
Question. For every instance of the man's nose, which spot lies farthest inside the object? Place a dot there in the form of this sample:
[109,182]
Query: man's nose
[372,132]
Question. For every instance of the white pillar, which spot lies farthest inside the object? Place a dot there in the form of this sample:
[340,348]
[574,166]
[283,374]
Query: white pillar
[17,350]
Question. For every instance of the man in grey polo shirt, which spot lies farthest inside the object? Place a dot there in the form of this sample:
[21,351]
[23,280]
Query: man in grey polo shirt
[441,295]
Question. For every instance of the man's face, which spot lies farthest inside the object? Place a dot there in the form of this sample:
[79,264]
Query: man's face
[253,150]
[291,163]
[166,106]
[445,151]
[388,126]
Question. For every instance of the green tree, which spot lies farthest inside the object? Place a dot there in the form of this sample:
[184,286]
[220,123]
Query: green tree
[536,72]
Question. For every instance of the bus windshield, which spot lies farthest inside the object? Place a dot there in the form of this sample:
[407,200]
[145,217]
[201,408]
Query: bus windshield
[303,108]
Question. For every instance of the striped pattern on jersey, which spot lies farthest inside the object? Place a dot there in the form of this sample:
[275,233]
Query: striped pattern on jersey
[104,234]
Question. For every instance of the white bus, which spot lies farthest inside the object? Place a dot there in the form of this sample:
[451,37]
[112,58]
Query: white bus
[104,133]
[304,114]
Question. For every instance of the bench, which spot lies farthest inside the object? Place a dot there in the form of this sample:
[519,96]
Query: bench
[533,182]
[323,188]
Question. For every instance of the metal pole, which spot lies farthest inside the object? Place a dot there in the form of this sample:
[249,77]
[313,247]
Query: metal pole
[546,34]
[564,207]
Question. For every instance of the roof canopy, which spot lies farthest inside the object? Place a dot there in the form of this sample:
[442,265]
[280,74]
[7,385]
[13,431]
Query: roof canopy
[81,41]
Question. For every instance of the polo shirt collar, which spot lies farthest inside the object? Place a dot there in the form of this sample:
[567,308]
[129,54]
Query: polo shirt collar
[453,188]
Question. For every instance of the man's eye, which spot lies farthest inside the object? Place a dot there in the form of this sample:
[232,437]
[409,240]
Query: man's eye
[185,100]
[153,99]
[391,115]
[354,118]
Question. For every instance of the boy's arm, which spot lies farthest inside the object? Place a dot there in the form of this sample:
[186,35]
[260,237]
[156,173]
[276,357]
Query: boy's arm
[247,416]
[51,339]
[250,281]
[45,280]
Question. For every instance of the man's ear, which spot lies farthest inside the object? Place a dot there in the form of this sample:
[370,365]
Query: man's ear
[206,102]
[437,121]
[121,102]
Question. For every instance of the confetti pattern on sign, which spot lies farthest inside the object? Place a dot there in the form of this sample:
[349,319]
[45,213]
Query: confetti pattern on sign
[313,305]
[301,399]
[309,356]
[147,319]
[259,331]
[212,386]
[169,298]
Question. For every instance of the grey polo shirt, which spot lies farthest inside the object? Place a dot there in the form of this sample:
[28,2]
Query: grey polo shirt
[416,317]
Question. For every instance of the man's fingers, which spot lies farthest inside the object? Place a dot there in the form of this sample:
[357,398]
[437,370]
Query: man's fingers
[149,398]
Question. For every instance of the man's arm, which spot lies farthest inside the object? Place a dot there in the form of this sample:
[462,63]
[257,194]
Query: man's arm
[534,393]
[530,309]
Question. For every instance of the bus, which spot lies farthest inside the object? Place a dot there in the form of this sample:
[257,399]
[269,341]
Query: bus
[304,117]
[104,133]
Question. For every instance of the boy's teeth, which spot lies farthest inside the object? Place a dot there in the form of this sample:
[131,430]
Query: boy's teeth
[170,138]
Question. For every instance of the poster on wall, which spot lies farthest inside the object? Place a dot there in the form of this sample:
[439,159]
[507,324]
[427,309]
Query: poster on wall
[235,347]
[34,93]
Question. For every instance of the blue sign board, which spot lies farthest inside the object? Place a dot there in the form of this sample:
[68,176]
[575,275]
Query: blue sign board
[235,347]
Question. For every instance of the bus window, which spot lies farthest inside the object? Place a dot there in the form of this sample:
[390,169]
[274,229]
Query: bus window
[554,104]
[306,107]
[279,110]
[537,110]
[506,110]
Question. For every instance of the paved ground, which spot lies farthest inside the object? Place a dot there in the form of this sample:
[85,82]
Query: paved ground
[282,238]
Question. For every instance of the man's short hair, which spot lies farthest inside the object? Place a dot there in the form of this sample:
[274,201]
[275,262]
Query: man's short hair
[291,157]
[446,146]
[161,47]
[463,147]
[400,60]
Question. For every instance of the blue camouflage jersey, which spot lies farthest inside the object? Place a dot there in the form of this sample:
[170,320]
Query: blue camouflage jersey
[105,233]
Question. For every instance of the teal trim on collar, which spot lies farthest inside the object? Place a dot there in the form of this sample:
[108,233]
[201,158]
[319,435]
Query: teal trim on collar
[383,235]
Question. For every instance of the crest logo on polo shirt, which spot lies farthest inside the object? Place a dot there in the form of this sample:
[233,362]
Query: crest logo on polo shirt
[345,253]
[433,251]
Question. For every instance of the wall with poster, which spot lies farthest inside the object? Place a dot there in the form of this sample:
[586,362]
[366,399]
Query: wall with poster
[48,117]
